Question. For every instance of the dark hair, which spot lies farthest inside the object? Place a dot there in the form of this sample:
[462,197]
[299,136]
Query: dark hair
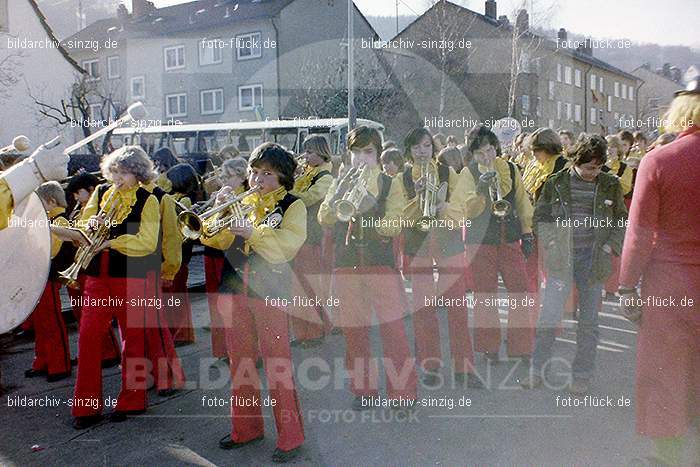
[482,135]
[183,179]
[363,136]
[319,145]
[568,133]
[547,140]
[277,158]
[414,137]
[164,159]
[626,136]
[388,144]
[393,155]
[638,135]
[455,153]
[590,149]
[82,180]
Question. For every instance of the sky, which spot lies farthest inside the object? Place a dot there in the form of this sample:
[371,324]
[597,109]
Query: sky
[665,22]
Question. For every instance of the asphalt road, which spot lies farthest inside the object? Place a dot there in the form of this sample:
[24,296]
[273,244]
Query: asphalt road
[500,425]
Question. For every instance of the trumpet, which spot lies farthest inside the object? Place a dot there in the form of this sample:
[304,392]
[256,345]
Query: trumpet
[85,254]
[213,175]
[428,199]
[196,223]
[347,207]
[500,207]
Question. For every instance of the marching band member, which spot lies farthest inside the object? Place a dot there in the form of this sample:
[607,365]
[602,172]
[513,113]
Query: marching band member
[52,350]
[662,247]
[174,271]
[580,217]
[439,245]
[117,284]
[365,277]
[500,242]
[311,187]
[268,238]
[81,187]
[233,178]
[393,164]
[164,160]
[567,142]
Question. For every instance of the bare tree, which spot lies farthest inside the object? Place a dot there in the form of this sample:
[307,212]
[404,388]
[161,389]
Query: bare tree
[10,70]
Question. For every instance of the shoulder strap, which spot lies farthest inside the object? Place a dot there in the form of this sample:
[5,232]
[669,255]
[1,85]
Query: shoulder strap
[559,164]
[621,170]
[384,183]
[408,183]
[318,176]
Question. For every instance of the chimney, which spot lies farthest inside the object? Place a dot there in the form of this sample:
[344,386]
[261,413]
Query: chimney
[667,70]
[561,35]
[522,23]
[141,8]
[122,13]
[676,74]
[490,9]
[503,20]
[586,48]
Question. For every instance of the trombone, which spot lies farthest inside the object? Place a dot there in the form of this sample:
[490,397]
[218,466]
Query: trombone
[198,222]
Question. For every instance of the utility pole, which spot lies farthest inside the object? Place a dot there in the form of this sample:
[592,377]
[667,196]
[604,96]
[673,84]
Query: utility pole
[397,17]
[351,68]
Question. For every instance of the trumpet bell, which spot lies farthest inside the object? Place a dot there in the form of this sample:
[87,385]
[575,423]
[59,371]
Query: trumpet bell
[425,223]
[190,225]
[501,208]
[344,210]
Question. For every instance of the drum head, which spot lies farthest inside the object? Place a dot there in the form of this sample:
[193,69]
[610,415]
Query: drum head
[25,259]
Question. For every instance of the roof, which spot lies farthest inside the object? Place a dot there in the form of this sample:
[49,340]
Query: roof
[653,73]
[191,16]
[52,36]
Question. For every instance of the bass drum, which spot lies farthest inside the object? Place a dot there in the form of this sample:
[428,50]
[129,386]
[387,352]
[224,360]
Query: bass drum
[25,259]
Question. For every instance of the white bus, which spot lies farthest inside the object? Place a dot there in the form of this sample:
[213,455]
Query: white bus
[195,142]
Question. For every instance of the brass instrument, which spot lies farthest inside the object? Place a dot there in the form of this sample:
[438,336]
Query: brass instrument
[347,207]
[196,223]
[96,237]
[428,199]
[500,207]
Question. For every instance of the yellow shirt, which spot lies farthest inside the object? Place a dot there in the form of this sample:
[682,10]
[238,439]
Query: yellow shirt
[145,241]
[164,183]
[312,194]
[172,238]
[6,204]
[389,225]
[536,173]
[523,206]
[276,245]
[56,242]
[625,179]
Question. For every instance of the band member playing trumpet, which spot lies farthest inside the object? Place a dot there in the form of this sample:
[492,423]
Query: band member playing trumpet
[52,351]
[116,284]
[500,238]
[437,197]
[364,208]
[268,237]
[233,179]
[311,187]
[184,184]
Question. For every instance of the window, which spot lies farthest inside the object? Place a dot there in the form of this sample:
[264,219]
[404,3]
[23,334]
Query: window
[174,57]
[624,91]
[138,87]
[113,67]
[600,116]
[212,101]
[593,82]
[617,118]
[525,105]
[617,89]
[653,103]
[594,116]
[551,90]
[550,123]
[609,103]
[600,84]
[630,93]
[176,105]
[567,75]
[250,97]
[568,111]
[539,106]
[248,46]
[93,68]
[210,52]
[577,78]
[95,112]
[559,72]
[577,113]
[558,110]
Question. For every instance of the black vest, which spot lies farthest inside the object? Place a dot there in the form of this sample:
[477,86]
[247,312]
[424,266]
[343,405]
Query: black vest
[365,247]
[121,265]
[64,258]
[415,240]
[620,170]
[486,228]
[264,279]
[314,234]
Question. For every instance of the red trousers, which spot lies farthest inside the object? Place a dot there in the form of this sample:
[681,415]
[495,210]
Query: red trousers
[309,320]
[256,322]
[160,348]
[359,290]
[426,324]
[51,348]
[111,345]
[487,262]
[213,268]
[179,315]
[121,298]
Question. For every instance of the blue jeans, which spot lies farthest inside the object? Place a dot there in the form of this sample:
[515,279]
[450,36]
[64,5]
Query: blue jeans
[556,294]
